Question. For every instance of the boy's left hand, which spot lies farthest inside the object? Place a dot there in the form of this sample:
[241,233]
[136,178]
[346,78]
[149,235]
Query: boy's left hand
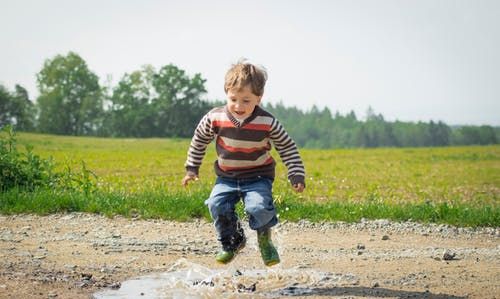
[299,187]
[188,178]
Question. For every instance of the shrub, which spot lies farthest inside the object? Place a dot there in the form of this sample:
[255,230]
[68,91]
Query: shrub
[27,171]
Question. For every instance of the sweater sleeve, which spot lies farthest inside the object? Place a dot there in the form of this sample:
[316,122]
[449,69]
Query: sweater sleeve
[202,137]
[288,152]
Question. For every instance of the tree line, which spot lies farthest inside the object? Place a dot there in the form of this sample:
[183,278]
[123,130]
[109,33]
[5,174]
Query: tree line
[169,103]
[318,128]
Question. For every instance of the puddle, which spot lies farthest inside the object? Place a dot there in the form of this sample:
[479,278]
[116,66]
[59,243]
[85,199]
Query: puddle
[189,280]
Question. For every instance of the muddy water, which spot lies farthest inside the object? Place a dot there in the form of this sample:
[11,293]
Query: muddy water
[189,280]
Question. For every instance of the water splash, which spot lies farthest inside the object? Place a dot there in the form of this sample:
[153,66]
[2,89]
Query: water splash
[189,280]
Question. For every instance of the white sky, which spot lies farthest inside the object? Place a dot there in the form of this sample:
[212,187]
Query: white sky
[410,60]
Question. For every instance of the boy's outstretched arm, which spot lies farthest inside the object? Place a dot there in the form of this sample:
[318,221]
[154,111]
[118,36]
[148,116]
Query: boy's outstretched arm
[203,135]
[289,155]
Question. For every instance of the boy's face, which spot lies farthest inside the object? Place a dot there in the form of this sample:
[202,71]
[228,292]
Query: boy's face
[241,103]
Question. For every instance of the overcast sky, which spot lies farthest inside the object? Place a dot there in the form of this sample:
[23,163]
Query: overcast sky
[409,60]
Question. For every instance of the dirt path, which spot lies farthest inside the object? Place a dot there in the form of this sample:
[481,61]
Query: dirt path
[75,255]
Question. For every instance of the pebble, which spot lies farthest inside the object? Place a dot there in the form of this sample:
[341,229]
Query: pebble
[448,255]
[86,276]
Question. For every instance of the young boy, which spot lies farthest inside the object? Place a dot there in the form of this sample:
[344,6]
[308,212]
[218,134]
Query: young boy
[243,133]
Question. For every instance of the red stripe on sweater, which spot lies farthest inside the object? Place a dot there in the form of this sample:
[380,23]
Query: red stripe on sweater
[257,127]
[223,124]
[240,149]
[225,168]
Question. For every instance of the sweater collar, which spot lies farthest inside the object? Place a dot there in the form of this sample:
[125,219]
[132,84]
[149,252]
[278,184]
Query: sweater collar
[236,122]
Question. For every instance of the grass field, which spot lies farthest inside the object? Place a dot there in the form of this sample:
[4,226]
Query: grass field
[458,185]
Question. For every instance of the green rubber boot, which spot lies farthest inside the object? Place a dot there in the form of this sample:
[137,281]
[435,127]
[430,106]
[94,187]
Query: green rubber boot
[225,256]
[268,252]
[232,247]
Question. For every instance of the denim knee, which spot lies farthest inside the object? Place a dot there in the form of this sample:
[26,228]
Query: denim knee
[261,215]
[257,209]
[217,208]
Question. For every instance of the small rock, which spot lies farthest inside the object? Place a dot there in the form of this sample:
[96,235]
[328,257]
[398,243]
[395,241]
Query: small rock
[375,284]
[385,237]
[52,295]
[86,276]
[70,267]
[382,222]
[361,246]
[83,284]
[448,255]
[203,283]
[243,288]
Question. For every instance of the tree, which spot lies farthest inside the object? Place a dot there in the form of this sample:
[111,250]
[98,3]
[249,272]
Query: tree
[479,135]
[5,106]
[166,103]
[26,111]
[70,100]
[16,109]
[438,134]
[178,105]
[131,113]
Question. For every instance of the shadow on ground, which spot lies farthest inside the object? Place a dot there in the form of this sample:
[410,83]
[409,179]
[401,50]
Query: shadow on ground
[362,292]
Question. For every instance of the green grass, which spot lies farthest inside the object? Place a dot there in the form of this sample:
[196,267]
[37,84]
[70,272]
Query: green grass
[182,207]
[148,205]
[459,214]
[454,185]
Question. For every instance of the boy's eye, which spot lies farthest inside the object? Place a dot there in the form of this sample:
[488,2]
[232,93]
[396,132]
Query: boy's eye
[246,101]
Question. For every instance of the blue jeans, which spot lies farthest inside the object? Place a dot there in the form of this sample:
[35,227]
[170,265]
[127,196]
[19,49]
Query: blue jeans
[257,197]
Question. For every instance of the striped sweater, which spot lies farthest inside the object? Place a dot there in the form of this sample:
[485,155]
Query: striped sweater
[243,150]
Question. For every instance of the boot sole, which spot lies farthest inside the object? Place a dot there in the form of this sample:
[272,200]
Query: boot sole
[224,262]
[272,263]
[242,245]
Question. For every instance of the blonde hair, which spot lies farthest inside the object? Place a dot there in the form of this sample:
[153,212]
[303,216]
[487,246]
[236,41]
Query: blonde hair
[242,74]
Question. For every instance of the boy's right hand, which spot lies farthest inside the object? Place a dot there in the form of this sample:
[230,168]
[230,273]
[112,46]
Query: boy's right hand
[299,187]
[187,178]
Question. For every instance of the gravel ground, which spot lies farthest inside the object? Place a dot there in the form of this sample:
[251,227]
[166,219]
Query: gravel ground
[75,255]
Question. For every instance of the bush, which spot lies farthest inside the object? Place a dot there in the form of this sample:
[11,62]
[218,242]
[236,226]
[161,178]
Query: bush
[28,171]
[24,170]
